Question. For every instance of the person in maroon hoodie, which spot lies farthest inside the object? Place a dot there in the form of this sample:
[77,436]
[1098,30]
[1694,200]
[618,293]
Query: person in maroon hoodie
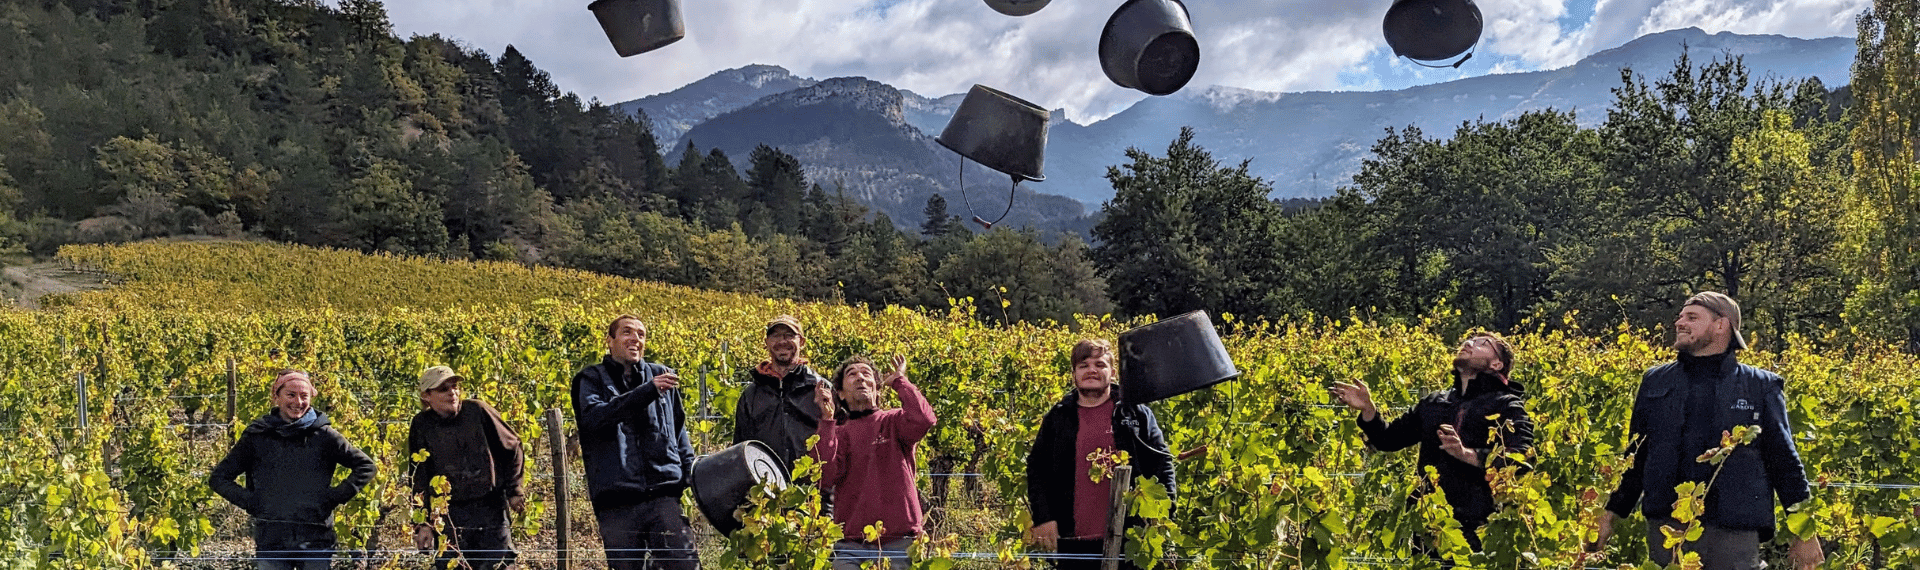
[867,462]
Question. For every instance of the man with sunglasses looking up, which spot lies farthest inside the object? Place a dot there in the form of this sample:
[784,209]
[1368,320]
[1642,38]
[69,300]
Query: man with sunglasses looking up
[1453,429]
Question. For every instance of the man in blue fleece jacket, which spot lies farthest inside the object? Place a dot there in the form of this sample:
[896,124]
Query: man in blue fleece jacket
[1681,411]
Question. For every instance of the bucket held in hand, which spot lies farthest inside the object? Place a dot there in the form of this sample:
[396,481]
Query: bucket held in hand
[722,481]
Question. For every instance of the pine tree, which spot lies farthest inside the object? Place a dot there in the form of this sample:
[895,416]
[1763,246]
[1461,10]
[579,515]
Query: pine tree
[777,186]
[937,222]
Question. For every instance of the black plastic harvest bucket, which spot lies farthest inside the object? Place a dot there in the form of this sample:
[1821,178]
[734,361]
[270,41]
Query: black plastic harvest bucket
[1172,357]
[722,481]
[1149,45]
[639,26]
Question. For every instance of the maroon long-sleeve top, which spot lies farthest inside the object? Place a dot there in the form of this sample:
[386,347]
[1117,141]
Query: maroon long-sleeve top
[869,464]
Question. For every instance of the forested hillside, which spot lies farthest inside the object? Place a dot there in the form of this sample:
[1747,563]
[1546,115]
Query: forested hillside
[309,123]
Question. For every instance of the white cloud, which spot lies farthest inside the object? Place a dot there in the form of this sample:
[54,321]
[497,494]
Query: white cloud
[1798,18]
[938,47]
[1529,29]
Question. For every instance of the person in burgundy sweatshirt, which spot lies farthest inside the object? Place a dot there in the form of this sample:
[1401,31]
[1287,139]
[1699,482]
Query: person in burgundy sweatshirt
[866,458]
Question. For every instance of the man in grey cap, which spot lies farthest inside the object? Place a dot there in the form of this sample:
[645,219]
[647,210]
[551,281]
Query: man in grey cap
[1680,413]
[777,406]
[481,458]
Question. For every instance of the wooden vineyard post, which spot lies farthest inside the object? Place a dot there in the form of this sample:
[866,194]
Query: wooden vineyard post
[1117,516]
[233,378]
[80,407]
[557,439]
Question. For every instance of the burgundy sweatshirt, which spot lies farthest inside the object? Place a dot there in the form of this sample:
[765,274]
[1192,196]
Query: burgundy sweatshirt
[869,462]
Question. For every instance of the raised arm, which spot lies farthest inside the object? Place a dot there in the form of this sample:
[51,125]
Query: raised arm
[829,452]
[1402,433]
[917,418]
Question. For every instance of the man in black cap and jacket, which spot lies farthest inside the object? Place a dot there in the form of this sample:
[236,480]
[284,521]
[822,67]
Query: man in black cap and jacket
[1452,428]
[1682,410]
[288,456]
[1069,508]
[777,406]
[634,441]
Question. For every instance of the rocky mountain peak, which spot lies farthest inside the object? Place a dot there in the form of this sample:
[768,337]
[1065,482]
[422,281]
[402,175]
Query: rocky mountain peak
[756,75]
[859,92]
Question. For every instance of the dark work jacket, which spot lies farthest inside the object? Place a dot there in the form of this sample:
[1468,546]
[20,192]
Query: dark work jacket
[1050,464]
[779,412]
[475,450]
[1742,497]
[289,489]
[1465,484]
[633,436]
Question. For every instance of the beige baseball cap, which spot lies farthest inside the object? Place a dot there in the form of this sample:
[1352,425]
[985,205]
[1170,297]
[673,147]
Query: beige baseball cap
[788,321]
[1727,308]
[434,377]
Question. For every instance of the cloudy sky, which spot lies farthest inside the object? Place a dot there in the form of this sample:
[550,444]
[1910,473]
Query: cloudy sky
[939,47]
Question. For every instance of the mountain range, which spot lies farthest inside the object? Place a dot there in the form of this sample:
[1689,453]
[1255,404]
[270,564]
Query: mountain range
[875,142]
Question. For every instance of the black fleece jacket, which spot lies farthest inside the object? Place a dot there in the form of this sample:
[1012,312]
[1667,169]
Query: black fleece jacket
[1050,464]
[779,412]
[1465,484]
[289,489]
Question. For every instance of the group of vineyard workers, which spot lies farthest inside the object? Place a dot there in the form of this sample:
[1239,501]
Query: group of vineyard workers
[638,455]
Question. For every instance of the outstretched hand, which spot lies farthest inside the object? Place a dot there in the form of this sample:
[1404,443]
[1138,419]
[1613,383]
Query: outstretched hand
[899,369]
[1355,396]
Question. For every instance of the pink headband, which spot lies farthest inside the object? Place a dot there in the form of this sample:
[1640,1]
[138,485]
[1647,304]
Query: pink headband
[283,379]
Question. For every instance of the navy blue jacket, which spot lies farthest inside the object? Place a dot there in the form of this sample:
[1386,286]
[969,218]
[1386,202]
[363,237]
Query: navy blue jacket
[1742,496]
[1465,483]
[1050,472]
[633,436]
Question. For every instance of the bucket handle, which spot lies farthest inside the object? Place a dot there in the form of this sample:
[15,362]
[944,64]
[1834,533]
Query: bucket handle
[1455,65]
[984,224]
